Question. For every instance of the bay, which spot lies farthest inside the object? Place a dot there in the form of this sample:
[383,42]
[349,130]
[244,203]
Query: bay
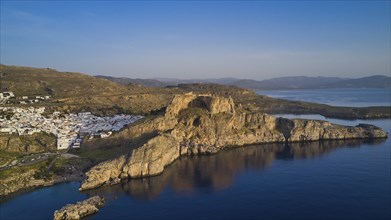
[338,97]
[315,180]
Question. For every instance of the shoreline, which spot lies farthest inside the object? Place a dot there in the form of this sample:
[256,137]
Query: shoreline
[22,191]
[79,179]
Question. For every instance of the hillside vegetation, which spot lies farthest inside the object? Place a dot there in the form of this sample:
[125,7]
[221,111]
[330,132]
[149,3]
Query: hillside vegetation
[27,81]
[80,92]
[77,92]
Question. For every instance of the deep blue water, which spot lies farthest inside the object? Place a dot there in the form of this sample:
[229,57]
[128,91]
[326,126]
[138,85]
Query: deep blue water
[314,180]
[338,97]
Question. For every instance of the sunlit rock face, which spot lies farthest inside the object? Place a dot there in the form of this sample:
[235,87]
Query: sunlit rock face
[218,171]
[80,209]
[308,130]
[214,104]
[204,124]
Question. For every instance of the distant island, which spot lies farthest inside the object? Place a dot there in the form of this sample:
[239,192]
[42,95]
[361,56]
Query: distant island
[280,83]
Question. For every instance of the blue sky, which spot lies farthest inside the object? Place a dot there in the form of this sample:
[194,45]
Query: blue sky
[197,39]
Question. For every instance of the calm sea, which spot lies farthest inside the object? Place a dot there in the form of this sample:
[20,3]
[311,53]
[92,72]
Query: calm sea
[315,180]
[338,97]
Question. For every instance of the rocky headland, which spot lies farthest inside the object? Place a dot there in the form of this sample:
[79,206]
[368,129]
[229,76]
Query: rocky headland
[80,209]
[190,125]
[29,178]
[21,181]
[194,124]
[219,171]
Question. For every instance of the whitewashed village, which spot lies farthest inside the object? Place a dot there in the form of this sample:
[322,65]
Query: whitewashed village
[70,129]
[9,98]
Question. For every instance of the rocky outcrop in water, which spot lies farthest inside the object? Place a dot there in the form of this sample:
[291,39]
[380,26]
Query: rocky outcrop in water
[80,209]
[204,124]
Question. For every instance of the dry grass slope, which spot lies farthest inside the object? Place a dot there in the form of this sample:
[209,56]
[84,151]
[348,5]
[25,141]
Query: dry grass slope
[45,81]
[81,92]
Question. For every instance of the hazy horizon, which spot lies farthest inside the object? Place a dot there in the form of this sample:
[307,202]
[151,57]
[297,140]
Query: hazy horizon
[239,78]
[199,40]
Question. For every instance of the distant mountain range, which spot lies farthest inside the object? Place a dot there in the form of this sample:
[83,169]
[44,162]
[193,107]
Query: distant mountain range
[281,83]
[126,81]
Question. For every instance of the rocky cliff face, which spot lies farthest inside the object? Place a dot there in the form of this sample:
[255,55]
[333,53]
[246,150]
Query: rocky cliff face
[308,130]
[220,170]
[214,104]
[205,124]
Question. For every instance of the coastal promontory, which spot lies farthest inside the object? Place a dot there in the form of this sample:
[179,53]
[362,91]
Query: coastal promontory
[194,124]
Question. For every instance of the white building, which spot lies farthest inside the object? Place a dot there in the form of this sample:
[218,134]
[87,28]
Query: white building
[105,134]
[76,145]
[68,128]
[4,96]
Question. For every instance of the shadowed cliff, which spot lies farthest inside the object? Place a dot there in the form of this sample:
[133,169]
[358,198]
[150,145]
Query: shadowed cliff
[195,124]
[219,171]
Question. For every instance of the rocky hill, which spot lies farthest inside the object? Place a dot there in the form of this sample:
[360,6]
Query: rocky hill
[27,81]
[77,92]
[198,123]
[204,124]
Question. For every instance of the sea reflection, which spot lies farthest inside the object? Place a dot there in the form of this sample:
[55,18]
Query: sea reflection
[216,172]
